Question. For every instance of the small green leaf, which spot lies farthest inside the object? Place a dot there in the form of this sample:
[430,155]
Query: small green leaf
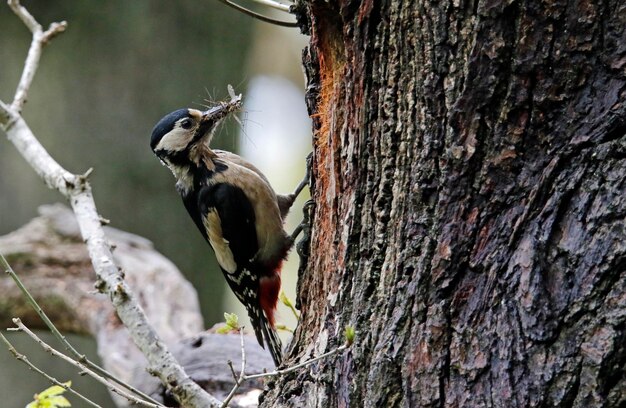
[225,329]
[285,299]
[51,398]
[59,401]
[232,321]
[287,302]
[349,334]
[52,391]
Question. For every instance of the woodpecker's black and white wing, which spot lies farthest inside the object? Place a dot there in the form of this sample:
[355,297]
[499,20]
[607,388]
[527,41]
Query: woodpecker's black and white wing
[228,219]
[229,222]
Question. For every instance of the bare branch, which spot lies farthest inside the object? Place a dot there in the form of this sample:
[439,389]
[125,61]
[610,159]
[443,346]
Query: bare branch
[27,18]
[51,260]
[297,366]
[258,16]
[24,359]
[52,31]
[274,4]
[40,38]
[81,358]
[83,368]
[242,374]
[78,191]
[243,377]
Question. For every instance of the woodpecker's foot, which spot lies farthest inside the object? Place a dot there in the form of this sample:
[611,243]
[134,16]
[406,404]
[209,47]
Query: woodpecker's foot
[305,224]
[305,227]
[296,232]
[306,179]
[303,246]
[285,201]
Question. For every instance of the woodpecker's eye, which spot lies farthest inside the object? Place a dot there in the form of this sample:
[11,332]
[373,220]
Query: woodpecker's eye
[186,124]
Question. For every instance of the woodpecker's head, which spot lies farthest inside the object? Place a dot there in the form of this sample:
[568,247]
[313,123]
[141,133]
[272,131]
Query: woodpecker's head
[176,134]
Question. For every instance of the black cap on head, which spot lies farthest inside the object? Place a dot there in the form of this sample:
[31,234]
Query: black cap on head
[165,125]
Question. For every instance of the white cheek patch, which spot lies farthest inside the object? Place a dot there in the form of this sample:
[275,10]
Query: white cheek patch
[176,140]
[224,255]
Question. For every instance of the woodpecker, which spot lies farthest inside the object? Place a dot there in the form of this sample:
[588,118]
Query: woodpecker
[234,207]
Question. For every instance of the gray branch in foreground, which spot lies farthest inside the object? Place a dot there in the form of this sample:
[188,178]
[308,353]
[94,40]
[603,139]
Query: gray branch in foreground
[52,261]
[80,358]
[25,360]
[77,190]
[112,387]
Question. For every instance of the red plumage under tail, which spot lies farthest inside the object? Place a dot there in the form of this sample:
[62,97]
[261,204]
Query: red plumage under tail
[269,287]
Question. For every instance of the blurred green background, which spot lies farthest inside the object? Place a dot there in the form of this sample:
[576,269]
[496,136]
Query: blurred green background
[102,86]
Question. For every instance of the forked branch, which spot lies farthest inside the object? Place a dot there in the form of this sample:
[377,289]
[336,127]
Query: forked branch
[40,39]
[77,190]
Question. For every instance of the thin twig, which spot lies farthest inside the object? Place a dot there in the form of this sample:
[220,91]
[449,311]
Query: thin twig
[243,355]
[232,370]
[27,18]
[239,380]
[24,359]
[40,39]
[274,4]
[61,338]
[78,191]
[242,374]
[297,366]
[259,16]
[112,387]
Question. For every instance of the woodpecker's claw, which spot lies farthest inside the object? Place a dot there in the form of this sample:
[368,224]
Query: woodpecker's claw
[305,224]
[285,201]
[303,246]
[296,232]
[306,208]
[307,177]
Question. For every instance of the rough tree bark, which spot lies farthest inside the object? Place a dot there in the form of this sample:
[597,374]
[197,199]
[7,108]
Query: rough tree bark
[468,179]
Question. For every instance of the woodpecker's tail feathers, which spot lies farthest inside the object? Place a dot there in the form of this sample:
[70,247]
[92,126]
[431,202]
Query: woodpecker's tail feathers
[256,317]
[273,341]
[264,330]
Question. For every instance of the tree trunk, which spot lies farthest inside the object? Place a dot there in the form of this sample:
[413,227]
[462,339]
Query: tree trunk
[468,179]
